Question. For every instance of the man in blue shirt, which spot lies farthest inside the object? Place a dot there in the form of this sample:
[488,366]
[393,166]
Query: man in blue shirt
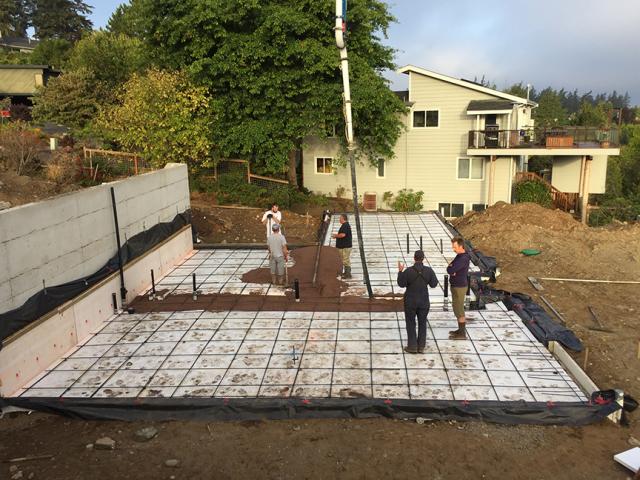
[416,279]
[458,271]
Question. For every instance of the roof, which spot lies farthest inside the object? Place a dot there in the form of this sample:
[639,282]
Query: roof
[19,42]
[490,106]
[466,84]
[26,67]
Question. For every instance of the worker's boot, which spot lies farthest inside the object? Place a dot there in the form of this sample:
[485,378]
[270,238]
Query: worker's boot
[274,279]
[347,272]
[459,334]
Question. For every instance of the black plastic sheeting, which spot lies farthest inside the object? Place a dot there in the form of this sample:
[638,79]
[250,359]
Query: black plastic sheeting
[222,409]
[50,298]
[537,320]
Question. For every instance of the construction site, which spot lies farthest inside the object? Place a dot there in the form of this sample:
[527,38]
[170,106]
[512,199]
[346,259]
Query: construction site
[170,330]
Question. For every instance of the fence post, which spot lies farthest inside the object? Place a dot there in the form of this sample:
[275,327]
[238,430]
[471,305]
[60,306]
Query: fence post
[248,172]
[135,165]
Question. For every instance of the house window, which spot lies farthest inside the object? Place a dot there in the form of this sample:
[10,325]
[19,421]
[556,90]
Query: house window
[381,168]
[451,209]
[470,168]
[426,119]
[324,165]
[479,207]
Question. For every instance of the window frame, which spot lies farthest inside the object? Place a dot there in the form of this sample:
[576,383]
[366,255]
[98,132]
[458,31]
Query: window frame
[450,206]
[471,160]
[324,165]
[483,205]
[425,110]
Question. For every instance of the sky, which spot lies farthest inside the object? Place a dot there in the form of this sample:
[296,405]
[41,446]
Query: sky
[591,45]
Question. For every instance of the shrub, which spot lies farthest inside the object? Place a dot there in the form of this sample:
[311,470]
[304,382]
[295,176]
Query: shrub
[406,200]
[62,167]
[19,147]
[533,191]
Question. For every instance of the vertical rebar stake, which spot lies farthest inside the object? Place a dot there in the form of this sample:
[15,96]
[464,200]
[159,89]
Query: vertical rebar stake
[114,300]
[195,292]
[467,299]
[153,286]
[441,246]
[445,305]
[44,287]
[407,243]
[420,242]
[296,289]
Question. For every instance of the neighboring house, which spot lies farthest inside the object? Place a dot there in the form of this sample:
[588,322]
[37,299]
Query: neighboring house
[18,44]
[21,81]
[464,146]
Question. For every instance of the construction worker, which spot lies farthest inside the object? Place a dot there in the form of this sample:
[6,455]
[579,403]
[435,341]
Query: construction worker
[344,243]
[416,279]
[458,271]
[271,217]
[278,254]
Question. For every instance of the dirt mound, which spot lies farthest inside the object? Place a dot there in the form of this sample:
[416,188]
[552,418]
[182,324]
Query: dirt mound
[568,247]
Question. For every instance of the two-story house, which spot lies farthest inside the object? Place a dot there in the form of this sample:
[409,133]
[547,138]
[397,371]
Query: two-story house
[464,146]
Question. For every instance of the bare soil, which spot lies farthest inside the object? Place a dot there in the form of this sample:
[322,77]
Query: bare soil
[23,189]
[229,224]
[381,448]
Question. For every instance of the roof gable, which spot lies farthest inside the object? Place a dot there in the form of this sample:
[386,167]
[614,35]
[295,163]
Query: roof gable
[465,84]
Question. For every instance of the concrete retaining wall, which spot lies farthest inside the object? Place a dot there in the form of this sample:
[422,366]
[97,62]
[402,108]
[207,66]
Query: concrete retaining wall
[73,235]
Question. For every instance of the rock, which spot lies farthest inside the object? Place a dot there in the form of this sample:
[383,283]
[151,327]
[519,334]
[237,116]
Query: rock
[633,441]
[105,443]
[146,434]
[13,469]
[5,205]
[420,421]
[172,463]
[297,428]
[31,475]
[89,446]
[17,476]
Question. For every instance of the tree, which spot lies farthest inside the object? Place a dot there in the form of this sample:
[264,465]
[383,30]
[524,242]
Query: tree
[594,116]
[61,19]
[550,111]
[273,70]
[125,19]
[14,17]
[72,99]
[54,52]
[111,57]
[164,117]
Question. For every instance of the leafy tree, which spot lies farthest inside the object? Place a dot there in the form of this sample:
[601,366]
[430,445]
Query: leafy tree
[54,52]
[61,19]
[8,57]
[273,70]
[72,99]
[594,116]
[550,111]
[111,57]
[164,117]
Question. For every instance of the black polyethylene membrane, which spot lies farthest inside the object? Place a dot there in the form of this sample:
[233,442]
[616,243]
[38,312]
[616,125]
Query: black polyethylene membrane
[48,299]
[536,319]
[222,409]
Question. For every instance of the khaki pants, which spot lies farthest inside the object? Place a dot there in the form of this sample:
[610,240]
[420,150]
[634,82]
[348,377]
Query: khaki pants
[345,256]
[458,294]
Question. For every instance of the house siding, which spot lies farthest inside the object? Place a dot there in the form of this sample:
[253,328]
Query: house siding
[566,174]
[19,81]
[425,159]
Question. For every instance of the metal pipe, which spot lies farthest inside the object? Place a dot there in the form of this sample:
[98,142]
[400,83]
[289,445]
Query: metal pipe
[441,246]
[123,290]
[296,289]
[420,242]
[445,304]
[195,291]
[407,243]
[153,283]
[114,302]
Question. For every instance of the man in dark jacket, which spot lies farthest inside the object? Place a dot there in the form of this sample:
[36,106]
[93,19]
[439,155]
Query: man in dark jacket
[344,242]
[416,300]
[458,271]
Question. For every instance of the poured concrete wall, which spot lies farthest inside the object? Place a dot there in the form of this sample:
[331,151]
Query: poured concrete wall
[73,235]
[30,351]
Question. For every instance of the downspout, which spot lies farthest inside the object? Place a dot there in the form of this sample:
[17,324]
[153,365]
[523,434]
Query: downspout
[340,27]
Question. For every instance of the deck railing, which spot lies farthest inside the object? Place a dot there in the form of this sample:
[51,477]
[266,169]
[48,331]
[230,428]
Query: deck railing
[561,137]
[562,200]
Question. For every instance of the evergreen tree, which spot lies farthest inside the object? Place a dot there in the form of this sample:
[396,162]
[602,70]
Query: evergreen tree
[14,17]
[65,19]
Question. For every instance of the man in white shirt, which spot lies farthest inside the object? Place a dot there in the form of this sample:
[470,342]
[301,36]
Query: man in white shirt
[271,217]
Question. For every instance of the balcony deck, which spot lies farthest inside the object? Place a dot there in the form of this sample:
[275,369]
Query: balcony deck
[565,141]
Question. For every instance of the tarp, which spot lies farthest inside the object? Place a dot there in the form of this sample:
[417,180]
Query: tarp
[152,409]
[50,298]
